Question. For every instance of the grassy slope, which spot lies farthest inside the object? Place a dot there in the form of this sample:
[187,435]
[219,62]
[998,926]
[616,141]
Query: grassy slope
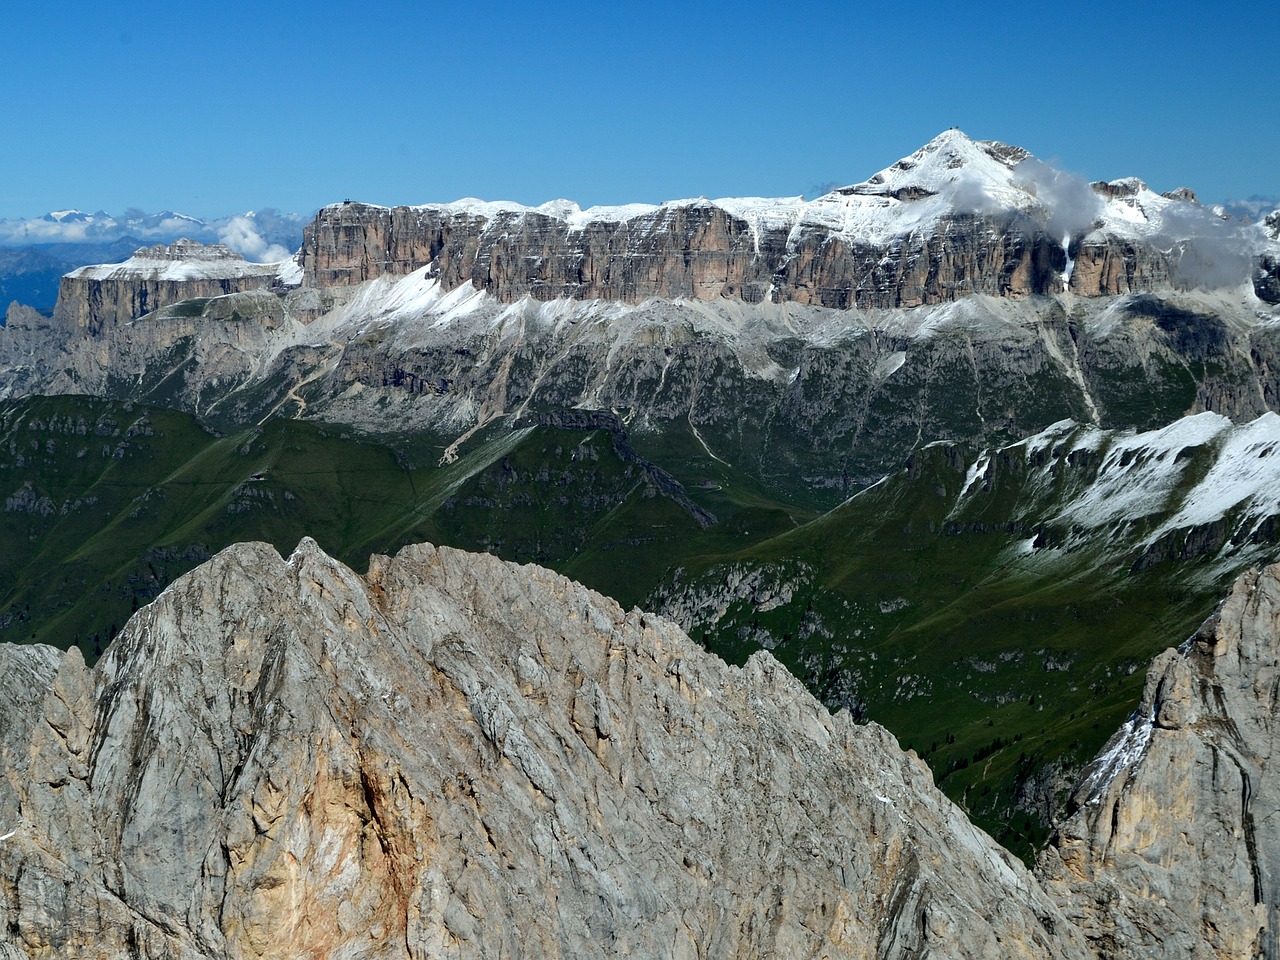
[993,665]
[107,502]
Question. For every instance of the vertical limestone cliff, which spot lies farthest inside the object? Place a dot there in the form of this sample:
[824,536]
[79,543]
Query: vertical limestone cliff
[457,757]
[697,251]
[955,219]
[1174,850]
[702,251]
[93,298]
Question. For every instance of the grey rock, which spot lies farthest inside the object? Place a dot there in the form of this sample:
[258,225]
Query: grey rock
[1174,850]
[457,757]
[698,251]
[806,346]
[96,297]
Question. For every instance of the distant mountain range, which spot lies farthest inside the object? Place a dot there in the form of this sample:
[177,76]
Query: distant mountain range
[251,234]
[1255,206]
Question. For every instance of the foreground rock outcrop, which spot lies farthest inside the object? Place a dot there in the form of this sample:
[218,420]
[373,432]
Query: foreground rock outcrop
[457,757]
[453,756]
[1174,850]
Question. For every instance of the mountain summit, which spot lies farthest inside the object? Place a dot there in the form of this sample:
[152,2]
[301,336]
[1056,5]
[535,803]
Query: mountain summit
[948,159]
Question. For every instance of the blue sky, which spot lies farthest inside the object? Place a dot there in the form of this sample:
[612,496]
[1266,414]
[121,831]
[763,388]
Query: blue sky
[238,105]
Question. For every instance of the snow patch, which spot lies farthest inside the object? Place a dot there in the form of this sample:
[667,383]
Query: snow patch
[289,272]
[1128,746]
[888,365]
[977,470]
[1141,472]
[1246,473]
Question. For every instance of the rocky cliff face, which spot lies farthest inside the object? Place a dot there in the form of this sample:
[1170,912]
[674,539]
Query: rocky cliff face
[92,298]
[830,399]
[455,757]
[955,219]
[1266,279]
[1174,850]
[702,251]
[698,251]
[190,355]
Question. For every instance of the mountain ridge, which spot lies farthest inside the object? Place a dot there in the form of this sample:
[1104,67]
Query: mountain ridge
[425,758]
[1090,239]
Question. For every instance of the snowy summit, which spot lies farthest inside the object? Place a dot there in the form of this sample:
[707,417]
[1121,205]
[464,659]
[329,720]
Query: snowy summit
[951,175]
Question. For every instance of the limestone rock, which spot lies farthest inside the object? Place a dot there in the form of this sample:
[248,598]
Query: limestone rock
[698,251]
[1266,280]
[1174,850]
[955,219]
[819,341]
[218,344]
[94,298]
[26,675]
[456,757]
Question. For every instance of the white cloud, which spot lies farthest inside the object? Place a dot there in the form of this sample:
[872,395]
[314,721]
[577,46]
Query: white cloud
[267,236]
[241,234]
[17,233]
[1070,202]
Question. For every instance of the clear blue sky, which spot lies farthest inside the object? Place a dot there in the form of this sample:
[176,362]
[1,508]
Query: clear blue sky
[292,105]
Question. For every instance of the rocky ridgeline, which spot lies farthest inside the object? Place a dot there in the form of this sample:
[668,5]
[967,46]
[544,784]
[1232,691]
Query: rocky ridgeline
[957,218]
[457,757]
[187,250]
[1174,849]
[703,252]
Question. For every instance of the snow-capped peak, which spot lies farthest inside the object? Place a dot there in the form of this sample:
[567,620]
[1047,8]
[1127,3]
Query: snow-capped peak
[172,215]
[68,216]
[952,175]
[949,161]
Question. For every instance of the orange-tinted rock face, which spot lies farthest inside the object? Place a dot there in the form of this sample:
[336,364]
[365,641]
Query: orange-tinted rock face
[1112,267]
[702,251]
[1173,848]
